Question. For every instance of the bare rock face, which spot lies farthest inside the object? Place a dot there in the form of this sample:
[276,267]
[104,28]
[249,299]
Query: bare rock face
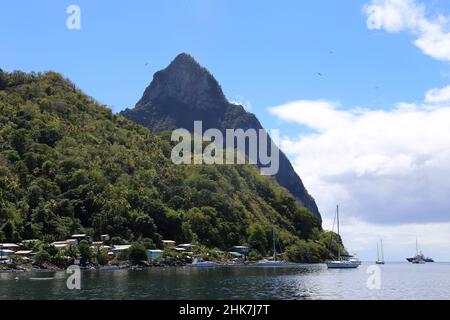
[186,82]
[185,92]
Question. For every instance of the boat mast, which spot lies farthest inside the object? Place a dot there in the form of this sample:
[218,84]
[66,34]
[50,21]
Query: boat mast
[274,247]
[417,247]
[382,253]
[338,231]
[378,253]
[337,216]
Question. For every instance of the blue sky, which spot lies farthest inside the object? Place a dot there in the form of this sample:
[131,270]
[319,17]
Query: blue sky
[269,53]
[265,51]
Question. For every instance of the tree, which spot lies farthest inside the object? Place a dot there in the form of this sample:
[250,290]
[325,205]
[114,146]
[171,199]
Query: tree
[52,250]
[8,230]
[72,251]
[117,240]
[333,243]
[3,80]
[148,243]
[101,256]
[19,140]
[258,238]
[68,165]
[306,252]
[42,256]
[203,223]
[85,251]
[304,222]
[2,238]
[137,253]
[145,226]
[49,136]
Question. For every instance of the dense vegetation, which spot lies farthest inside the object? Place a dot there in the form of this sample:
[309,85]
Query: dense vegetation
[69,165]
[185,92]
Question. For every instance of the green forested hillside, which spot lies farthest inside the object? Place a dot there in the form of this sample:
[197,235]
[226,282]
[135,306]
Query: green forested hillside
[185,92]
[69,165]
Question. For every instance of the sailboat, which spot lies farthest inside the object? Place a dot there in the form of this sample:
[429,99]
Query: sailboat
[274,262]
[380,261]
[343,261]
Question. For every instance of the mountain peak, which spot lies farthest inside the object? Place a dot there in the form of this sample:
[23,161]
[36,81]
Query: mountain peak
[186,82]
[185,59]
[185,92]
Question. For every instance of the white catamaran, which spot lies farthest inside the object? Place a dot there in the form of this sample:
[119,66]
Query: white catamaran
[343,261]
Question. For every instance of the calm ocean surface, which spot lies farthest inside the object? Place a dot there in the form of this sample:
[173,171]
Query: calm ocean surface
[398,281]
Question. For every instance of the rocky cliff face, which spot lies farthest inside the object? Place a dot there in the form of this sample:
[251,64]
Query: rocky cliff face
[185,92]
[186,82]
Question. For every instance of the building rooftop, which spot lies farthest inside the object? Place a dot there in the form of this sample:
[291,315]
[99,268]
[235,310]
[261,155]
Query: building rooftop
[59,242]
[20,252]
[8,245]
[6,251]
[122,247]
[186,245]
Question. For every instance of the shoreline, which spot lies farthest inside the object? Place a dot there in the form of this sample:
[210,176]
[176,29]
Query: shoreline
[163,266]
[160,266]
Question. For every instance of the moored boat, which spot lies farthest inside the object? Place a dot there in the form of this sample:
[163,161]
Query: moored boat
[380,261]
[350,263]
[200,263]
[419,258]
[343,261]
[418,261]
[271,263]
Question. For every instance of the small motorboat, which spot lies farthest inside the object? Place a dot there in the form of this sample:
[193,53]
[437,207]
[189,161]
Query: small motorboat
[200,263]
[344,262]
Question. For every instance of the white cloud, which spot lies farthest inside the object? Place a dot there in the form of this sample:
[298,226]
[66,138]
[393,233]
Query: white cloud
[399,240]
[386,166]
[432,34]
[394,15]
[438,96]
[320,114]
[389,170]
